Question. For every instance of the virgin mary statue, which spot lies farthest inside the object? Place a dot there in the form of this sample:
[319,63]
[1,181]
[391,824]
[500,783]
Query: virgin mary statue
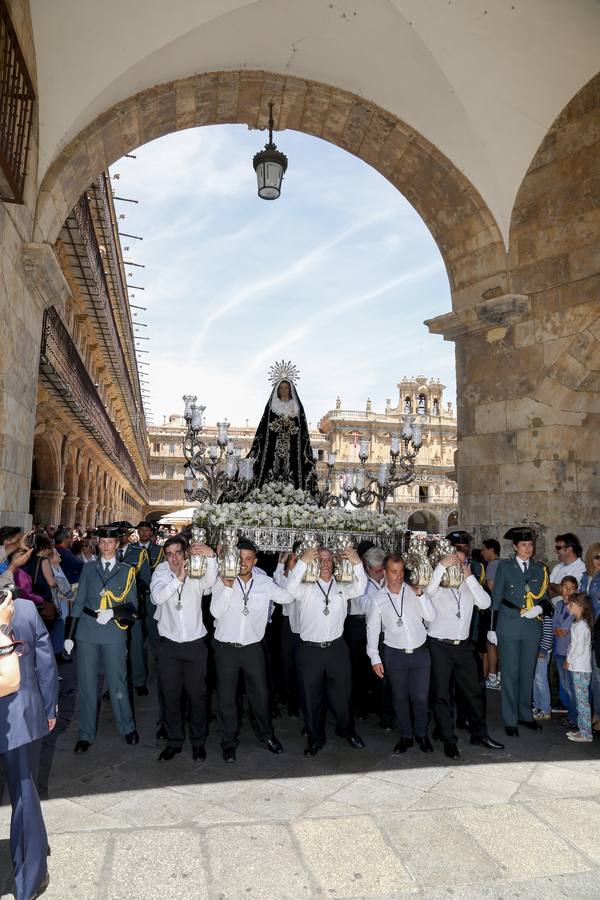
[281,445]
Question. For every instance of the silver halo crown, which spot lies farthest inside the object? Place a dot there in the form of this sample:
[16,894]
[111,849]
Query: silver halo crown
[283,370]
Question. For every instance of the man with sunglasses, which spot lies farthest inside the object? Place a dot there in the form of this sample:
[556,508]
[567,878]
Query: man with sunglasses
[568,551]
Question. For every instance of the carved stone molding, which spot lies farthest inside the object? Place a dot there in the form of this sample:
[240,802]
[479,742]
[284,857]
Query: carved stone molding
[45,276]
[498,312]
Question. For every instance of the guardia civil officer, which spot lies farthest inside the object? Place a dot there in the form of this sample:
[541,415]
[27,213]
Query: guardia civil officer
[146,531]
[240,607]
[106,595]
[519,599]
[402,613]
[323,656]
[453,654]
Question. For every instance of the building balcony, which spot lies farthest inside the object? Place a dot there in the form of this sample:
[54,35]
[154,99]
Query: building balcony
[64,371]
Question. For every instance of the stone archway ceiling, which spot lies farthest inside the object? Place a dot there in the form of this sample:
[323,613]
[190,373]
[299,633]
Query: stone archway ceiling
[483,81]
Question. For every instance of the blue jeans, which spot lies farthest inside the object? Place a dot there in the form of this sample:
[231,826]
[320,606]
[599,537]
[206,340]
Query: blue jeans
[595,687]
[566,691]
[541,685]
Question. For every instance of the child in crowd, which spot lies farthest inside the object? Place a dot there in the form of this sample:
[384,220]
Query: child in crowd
[579,664]
[542,702]
[562,622]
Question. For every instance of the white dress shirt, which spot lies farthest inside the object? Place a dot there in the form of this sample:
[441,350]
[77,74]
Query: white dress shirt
[454,606]
[290,609]
[387,609]
[110,562]
[227,606]
[311,603]
[168,593]
[359,606]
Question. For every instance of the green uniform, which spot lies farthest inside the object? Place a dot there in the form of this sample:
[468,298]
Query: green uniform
[518,638]
[135,555]
[106,641]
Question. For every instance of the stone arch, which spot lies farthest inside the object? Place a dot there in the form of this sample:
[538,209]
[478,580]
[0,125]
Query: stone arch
[452,520]
[460,222]
[47,478]
[423,520]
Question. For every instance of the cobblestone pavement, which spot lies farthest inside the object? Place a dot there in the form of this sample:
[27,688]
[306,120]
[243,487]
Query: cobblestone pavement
[348,823]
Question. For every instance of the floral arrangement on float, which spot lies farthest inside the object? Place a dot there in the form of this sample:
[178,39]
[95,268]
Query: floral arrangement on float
[277,514]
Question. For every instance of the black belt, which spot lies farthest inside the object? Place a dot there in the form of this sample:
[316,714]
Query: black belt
[403,650]
[449,640]
[91,612]
[511,605]
[232,644]
[321,643]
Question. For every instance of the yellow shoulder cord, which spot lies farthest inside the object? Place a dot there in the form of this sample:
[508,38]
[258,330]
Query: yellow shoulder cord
[158,559]
[143,556]
[482,574]
[108,599]
[531,598]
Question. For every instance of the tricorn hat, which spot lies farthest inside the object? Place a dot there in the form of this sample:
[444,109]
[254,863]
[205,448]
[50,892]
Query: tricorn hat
[146,524]
[520,533]
[109,531]
[458,537]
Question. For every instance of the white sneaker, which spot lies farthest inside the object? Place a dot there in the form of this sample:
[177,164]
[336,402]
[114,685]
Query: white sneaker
[579,738]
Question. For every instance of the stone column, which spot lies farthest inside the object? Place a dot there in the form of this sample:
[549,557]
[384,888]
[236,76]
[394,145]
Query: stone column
[81,512]
[47,506]
[67,514]
[91,515]
[520,450]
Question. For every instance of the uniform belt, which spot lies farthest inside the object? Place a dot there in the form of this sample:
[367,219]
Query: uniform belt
[449,640]
[321,643]
[91,612]
[511,605]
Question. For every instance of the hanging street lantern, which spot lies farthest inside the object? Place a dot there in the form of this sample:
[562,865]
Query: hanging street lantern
[270,165]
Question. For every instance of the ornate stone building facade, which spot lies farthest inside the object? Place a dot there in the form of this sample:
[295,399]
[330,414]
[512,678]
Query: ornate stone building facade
[90,453]
[430,502]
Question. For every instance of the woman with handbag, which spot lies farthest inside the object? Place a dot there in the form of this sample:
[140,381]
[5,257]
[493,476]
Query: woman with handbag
[39,569]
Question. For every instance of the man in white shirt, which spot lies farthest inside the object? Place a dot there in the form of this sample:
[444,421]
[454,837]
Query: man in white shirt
[355,632]
[240,607]
[569,551]
[453,654]
[323,656]
[182,650]
[402,613]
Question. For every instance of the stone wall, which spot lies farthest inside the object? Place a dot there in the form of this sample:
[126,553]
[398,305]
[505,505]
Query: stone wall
[528,363]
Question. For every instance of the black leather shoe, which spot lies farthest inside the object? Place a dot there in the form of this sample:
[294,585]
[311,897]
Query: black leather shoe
[81,747]
[531,724]
[402,745]
[511,731]
[451,750]
[169,752]
[312,749]
[229,755]
[355,741]
[425,744]
[486,741]
[161,734]
[142,691]
[133,737]
[42,886]
[273,744]
[198,752]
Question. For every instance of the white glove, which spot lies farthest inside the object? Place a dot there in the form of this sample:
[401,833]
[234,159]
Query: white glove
[104,616]
[533,612]
[491,638]
[68,646]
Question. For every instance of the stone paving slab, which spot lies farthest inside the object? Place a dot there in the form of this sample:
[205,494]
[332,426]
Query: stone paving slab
[521,823]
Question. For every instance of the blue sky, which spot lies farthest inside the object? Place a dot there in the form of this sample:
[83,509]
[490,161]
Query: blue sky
[337,275]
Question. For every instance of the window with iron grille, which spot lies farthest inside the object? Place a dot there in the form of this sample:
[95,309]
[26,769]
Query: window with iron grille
[16,112]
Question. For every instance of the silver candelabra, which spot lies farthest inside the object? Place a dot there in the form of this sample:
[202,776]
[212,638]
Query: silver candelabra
[213,473]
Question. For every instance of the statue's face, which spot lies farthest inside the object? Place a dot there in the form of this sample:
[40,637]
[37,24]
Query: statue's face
[284,392]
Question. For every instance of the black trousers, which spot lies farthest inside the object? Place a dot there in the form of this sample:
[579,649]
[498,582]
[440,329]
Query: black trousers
[182,668]
[28,839]
[326,678]
[408,674]
[248,661]
[291,678]
[355,635]
[458,662]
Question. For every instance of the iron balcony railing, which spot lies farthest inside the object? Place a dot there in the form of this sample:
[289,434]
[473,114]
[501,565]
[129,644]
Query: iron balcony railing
[17,99]
[64,369]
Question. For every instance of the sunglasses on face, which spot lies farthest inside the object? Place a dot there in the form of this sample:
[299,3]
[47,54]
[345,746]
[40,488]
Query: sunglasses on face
[559,547]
